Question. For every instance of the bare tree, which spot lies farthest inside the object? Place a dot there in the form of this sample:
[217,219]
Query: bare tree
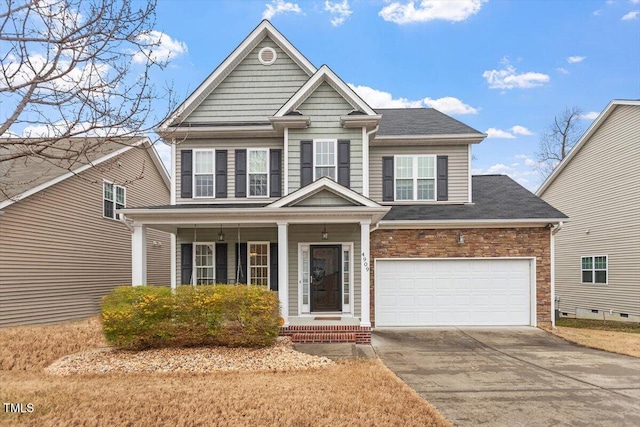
[72,68]
[558,140]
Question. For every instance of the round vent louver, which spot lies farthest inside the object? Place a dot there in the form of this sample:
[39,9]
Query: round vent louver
[267,56]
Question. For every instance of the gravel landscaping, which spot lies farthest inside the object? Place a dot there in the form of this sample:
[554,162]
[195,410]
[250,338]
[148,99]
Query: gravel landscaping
[277,358]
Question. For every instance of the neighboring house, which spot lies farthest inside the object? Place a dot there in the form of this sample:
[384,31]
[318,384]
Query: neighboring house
[62,245]
[597,253]
[284,177]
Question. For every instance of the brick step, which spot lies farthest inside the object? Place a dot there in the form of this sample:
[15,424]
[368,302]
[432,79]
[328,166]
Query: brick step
[323,337]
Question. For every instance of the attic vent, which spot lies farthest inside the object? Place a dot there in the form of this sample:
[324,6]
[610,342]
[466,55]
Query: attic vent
[267,56]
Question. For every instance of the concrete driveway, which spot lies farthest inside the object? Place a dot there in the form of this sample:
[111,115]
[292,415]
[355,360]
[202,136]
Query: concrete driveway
[513,377]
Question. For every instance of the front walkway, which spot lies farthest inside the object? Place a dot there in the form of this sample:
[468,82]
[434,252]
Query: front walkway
[513,376]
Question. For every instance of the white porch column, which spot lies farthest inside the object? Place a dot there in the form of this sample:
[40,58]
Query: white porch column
[365,284]
[139,255]
[173,261]
[283,271]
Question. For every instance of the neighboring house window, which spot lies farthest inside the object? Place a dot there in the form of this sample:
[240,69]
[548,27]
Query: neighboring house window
[204,263]
[324,159]
[203,161]
[594,269]
[415,178]
[258,171]
[114,197]
[258,263]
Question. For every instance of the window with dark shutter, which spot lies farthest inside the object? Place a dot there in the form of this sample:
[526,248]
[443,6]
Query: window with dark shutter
[241,173]
[443,178]
[186,174]
[221,263]
[273,267]
[221,173]
[186,263]
[275,173]
[387,179]
[344,163]
[306,163]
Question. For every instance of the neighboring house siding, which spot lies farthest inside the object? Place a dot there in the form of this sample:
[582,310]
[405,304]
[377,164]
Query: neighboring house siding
[458,167]
[224,144]
[599,190]
[325,106]
[252,92]
[59,255]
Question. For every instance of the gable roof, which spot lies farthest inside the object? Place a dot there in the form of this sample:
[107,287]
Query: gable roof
[323,184]
[417,122]
[25,176]
[264,29]
[325,74]
[495,197]
[583,140]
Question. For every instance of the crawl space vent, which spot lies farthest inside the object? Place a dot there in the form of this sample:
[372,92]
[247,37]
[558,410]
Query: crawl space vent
[267,56]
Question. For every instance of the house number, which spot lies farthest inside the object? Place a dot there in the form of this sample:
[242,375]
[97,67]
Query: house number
[365,262]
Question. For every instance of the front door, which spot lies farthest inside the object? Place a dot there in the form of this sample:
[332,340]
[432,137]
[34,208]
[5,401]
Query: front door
[326,278]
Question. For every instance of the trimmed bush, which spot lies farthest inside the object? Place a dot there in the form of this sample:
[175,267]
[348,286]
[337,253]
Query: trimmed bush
[143,317]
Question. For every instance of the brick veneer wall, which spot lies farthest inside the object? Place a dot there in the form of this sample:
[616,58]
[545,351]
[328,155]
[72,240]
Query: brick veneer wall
[478,242]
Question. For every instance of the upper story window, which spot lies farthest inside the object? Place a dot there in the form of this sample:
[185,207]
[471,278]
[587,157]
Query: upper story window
[594,269]
[203,167]
[258,172]
[114,197]
[325,158]
[415,178]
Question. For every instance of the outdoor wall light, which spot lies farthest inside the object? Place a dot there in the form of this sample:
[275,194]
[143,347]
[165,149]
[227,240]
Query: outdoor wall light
[325,234]
[460,239]
[220,235]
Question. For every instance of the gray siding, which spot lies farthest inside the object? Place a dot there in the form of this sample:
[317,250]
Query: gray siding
[224,144]
[252,92]
[324,107]
[458,167]
[600,191]
[59,255]
[324,198]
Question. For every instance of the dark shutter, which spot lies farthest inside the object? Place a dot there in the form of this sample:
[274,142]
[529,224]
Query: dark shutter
[241,173]
[306,163]
[273,267]
[241,257]
[186,263]
[221,263]
[186,173]
[221,173]
[344,162]
[387,179]
[443,177]
[275,173]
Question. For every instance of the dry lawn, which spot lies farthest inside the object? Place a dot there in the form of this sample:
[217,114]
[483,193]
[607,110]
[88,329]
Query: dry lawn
[615,342]
[350,393]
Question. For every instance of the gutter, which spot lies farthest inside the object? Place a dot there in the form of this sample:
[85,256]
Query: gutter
[554,230]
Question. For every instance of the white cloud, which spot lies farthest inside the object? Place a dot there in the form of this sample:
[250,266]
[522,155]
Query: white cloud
[631,15]
[597,12]
[278,7]
[562,70]
[635,1]
[498,133]
[520,130]
[591,115]
[521,156]
[57,129]
[339,11]
[523,174]
[164,151]
[575,59]
[380,99]
[429,10]
[160,47]
[508,78]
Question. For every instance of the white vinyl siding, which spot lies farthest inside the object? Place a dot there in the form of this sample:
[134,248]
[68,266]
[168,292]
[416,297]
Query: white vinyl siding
[257,172]
[203,173]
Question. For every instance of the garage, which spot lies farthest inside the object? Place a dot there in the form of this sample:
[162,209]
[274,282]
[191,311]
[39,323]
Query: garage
[455,292]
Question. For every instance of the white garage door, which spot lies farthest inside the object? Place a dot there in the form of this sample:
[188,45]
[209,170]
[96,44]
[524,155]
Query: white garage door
[471,292]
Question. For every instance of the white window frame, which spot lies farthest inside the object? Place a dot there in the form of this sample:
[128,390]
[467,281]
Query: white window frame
[115,216]
[268,245]
[195,266]
[594,269]
[193,176]
[249,150]
[415,177]
[335,158]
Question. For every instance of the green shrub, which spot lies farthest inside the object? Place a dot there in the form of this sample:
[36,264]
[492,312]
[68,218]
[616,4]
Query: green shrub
[150,317]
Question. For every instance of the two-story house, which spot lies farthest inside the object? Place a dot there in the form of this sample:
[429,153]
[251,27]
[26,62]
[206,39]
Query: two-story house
[284,177]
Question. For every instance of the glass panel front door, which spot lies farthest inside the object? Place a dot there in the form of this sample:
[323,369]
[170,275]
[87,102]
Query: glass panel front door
[326,278]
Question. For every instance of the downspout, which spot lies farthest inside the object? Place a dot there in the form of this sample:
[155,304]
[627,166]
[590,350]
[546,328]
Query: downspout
[554,230]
